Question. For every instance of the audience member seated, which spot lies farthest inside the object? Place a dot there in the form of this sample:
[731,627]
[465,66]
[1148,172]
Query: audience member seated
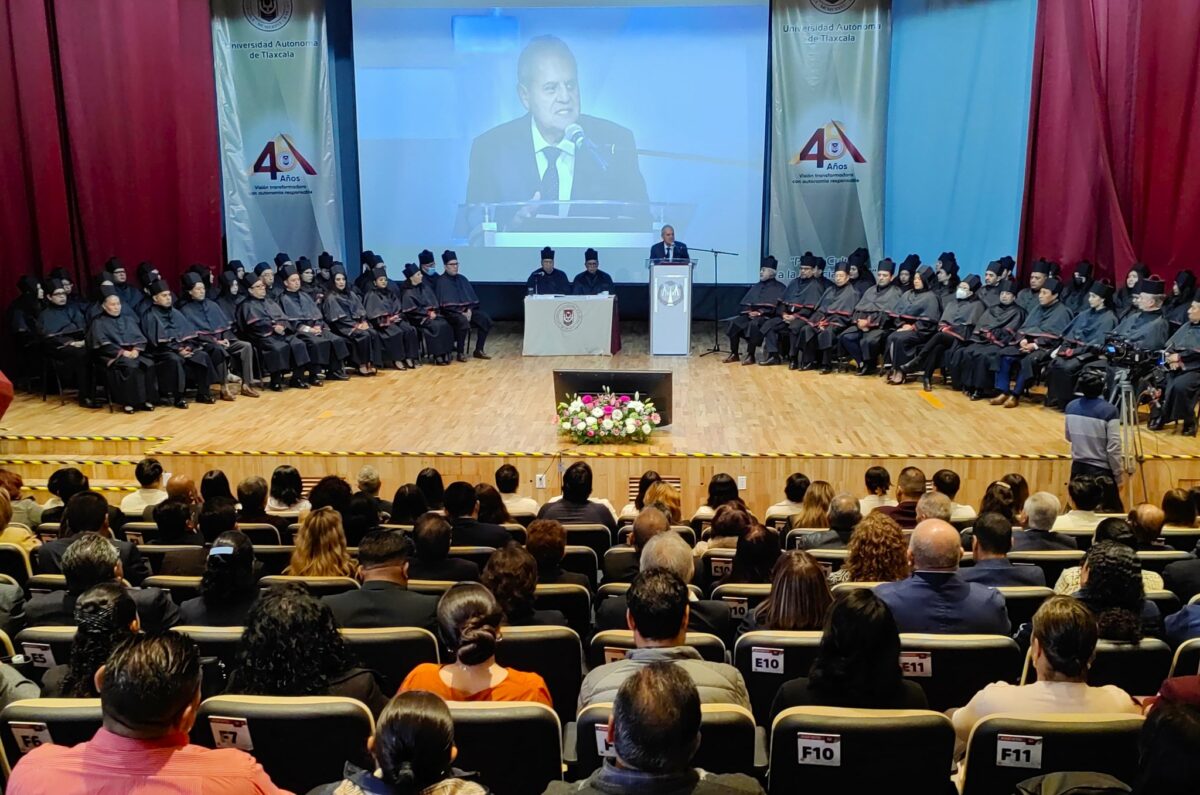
[65,484]
[431,547]
[462,508]
[648,479]
[650,522]
[252,496]
[730,522]
[149,695]
[150,491]
[876,552]
[1111,586]
[665,497]
[754,557]
[991,540]
[408,505]
[413,749]
[655,731]
[1146,521]
[935,598]
[947,482]
[998,498]
[576,507]
[384,599]
[1170,751]
[511,576]
[856,662]
[14,686]
[469,619]
[1179,512]
[11,533]
[214,483]
[933,505]
[90,560]
[88,512]
[878,482]
[369,485]
[546,541]
[176,524]
[228,587]
[1020,492]
[1182,578]
[508,480]
[1085,494]
[794,489]
[1041,511]
[321,547]
[1116,529]
[1062,649]
[333,492]
[25,510]
[180,488]
[492,509]
[799,596]
[217,515]
[814,508]
[844,516]
[722,488]
[286,496]
[431,486]
[909,488]
[292,647]
[105,615]
[668,551]
[361,518]
[658,616]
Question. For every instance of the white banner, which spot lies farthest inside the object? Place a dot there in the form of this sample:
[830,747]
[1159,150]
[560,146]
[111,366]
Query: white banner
[278,162]
[829,78]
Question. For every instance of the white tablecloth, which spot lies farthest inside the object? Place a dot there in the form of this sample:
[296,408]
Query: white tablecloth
[571,325]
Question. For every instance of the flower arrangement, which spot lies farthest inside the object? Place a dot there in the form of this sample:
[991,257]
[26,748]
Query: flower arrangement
[607,418]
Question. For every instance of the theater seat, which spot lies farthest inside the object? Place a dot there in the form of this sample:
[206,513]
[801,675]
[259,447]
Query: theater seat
[609,645]
[59,639]
[274,559]
[175,559]
[573,601]
[617,561]
[834,557]
[67,721]
[1187,658]
[515,746]
[610,589]
[554,653]
[301,741]
[1167,602]
[317,586]
[831,749]
[260,534]
[842,588]
[953,668]
[1185,540]
[768,659]
[1157,560]
[1022,601]
[219,642]
[596,536]
[741,597]
[46,583]
[140,532]
[582,560]
[1051,562]
[14,561]
[181,588]
[477,555]
[431,587]
[714,564]
[1137,668]
[392,652]
[1048,743]
[685,532]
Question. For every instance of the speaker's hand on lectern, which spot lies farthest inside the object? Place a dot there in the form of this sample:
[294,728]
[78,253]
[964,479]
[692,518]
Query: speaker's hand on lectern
[529,210]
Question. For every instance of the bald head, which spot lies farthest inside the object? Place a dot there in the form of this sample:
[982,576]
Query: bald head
[1147,521]
[182,488]
[844,513]
[935,545]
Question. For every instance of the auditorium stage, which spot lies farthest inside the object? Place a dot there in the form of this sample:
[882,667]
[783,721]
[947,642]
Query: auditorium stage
[761,422]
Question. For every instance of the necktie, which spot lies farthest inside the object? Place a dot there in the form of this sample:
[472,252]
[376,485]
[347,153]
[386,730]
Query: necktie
[550,180]
[670,252]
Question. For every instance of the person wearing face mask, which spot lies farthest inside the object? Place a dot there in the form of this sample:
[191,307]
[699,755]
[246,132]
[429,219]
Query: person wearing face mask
[1182,389]
[819,338]
[460,306]
[1075,291]
[347,317]
[399,338]
[117,339]
[263,323]
[1179,303]
[429,273]
[947,277]
[1036,339]
[419,304]
[863,338]
[996,327]
[60,330]
[215,333]
[917,313]
[758,305]
[175,347]
[799,300]
[1082,343]
[955,326]
[1124,301]
[325,349]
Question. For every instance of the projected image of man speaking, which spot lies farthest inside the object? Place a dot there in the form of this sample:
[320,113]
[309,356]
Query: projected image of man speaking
[555,153]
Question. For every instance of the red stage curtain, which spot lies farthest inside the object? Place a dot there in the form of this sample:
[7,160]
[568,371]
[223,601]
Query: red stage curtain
[1114,133]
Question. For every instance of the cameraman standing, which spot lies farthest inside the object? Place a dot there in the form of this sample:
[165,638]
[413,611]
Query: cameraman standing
[1094,431]
[1182,389]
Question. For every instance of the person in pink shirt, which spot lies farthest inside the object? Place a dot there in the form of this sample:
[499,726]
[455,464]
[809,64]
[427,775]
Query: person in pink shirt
[149,694]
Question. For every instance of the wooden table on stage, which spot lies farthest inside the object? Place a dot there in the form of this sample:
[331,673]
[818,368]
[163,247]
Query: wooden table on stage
[571,325]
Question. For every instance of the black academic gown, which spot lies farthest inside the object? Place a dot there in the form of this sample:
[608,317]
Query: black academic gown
[762,298]
[280,350]
[457,297]
[586,283]
[874,308]
[131,380]
[553,283]
[954,327]
[922,310]
[1075,295]
[175,346]
[1182,388]
[399,338]
[831,316]
[996,327]
[56,328]
[419,304]
[1044,327]
[324,347]
[989,295]
[345,313]
[799,299]
[1081,344]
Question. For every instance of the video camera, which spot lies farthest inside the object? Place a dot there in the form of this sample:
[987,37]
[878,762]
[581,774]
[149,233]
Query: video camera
[1122,353]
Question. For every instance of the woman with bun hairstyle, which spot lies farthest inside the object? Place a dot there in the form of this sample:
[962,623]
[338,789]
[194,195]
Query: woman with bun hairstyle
[105,615]
[469,619]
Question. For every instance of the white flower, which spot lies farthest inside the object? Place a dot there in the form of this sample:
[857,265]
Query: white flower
[634,405]
[566,426]
[576,405]
[591,421]
[607,424]
[597,412]
[616,415]
[647,428]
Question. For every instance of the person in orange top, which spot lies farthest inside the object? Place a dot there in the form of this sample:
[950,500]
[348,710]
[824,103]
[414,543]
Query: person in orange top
[469,619]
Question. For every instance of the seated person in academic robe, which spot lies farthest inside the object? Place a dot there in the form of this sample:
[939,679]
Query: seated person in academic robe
[916,318]
[1143,329]
[399,338]
[1082,343]
[132,298]
[592,280]
[270,275]
[904,274]
[781,331]
[60,329]
[262,321]
[1182,386]
[214,329]
[547,280]
[989,293]
[1076,289]
[959,315]
[147,275]
[1182,294]
[308,280]
[24,310]
[946,275]
[863,338]
[819,338]
[116,337]
[232,287]
[325,349]
[178,355]
[1027,298]
[419,304]
[995,328]
[1036,339]
[758,305]
[460,306]
[346,314]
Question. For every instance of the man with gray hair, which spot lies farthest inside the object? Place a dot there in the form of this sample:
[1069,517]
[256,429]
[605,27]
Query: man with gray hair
[1041,512]
[935,598]
[844,516]
[934,505]
[668,550]
[369,484]
[649,523]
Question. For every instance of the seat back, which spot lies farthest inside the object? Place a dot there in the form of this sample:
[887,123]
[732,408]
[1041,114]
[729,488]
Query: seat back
[523,519]
[618,561]
[727,735]
[1052,562]
[609,589]
[835,558]
[1183,539]
[685,532]
[596,536]
[274,558]
[553,653]
[492,735]
[46,647]
[1187,658]
[14,561]
[517,531]
[1137,668]
[1157,560]
[741,597]
[1004,750]
[175,559]
[431,587]
[140,532]
[842,588]
[582,560]
[46,583]
[181,588]
[953,668]
[1022,601]
[219,642]
[48,531]
[264,534]
[477,555]
[767,659]
[612,644]
[301,741]
[714,564]
[392,652]
[318,586]
[573,601]
[1168,603]
[27,724]
[831,749]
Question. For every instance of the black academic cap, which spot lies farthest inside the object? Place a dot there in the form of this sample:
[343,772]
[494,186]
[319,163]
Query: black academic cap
[190,280]
[228,278]
[377,271]
[107,290]
[1083,268]
[449,256]
[973,282]
[1184,280]
[113,265]
[1008,286]
[887,265]
[324,260]
[335,268]
[52,284]
[410,268]
[281,258]
[948,261]
[860,256]
[1008,262]
[233,265]
[911,263]
[1102,288]
[1152,286]
[261,267]
[158,286]
[547,253]
[60,273]
[367,258]
[996,267]
[198,268]
[287,269]
[842,267]
[425,257]
[807,260]
[1053,285]
[303,264]
[926,274]
[1040,266]
[1142,269]
[251,279]
[1055,269]
[770,262]
[147,273]
[591,254]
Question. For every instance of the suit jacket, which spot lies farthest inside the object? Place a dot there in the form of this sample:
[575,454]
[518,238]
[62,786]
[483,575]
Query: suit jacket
[659,251]
[195,613]
[579,513]
[384,604]
[945,603]
[12,609]
[707,615]
[830,539]
[560,577]
[1182,578]
[1041,541]
[451,569]
[155,609]
[904,514]
[999,572]
[468,532]
[47,559]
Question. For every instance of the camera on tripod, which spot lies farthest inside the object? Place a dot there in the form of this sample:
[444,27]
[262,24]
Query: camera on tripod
[1124,354]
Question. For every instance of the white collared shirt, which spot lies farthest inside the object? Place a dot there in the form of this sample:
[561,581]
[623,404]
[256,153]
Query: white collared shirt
[565,165]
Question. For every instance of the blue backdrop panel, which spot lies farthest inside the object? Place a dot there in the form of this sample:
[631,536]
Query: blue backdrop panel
[958,116]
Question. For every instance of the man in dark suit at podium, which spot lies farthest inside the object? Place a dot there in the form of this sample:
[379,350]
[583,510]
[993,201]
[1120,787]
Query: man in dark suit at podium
[554,152]
[669,248]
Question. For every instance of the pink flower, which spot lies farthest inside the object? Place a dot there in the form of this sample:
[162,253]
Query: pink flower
[624,398]
[591,433]
[608,409]
[654,418]
[587,398]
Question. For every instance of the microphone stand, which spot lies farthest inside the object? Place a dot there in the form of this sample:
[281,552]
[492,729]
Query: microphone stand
[716,346]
